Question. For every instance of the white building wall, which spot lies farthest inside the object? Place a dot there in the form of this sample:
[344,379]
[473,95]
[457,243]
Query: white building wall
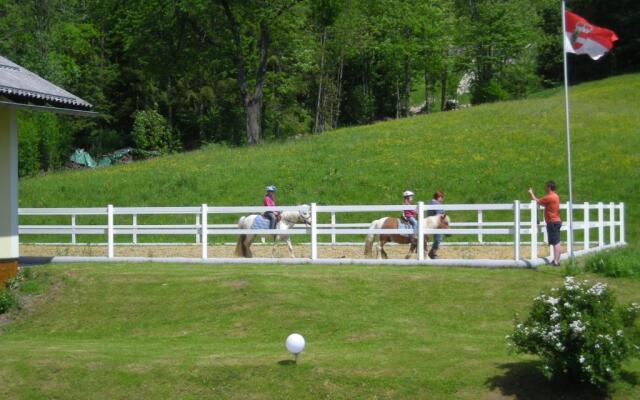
[8,184]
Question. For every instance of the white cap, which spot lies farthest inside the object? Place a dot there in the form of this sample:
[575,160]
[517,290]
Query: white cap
[270,188]
[407,193]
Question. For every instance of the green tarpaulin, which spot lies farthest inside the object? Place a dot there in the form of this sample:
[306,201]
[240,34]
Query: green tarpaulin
[81,157]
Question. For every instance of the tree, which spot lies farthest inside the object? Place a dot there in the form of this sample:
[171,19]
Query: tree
[262,14]
[501,38]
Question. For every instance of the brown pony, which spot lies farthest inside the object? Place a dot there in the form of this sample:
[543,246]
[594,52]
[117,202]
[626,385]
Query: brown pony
[440,221]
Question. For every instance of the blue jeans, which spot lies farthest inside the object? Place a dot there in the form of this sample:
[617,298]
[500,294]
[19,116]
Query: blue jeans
[272,219]
[414,224]
[437,238]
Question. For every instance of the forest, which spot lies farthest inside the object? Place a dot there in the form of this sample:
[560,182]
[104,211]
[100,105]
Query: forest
[176,75]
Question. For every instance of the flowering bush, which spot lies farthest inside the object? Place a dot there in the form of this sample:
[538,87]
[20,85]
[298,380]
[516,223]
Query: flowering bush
[578,332]
[7,300]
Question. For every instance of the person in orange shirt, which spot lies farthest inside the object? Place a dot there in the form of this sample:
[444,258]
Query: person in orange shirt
[551,204]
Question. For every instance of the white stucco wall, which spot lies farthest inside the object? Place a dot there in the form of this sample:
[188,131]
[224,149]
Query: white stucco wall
[8,184]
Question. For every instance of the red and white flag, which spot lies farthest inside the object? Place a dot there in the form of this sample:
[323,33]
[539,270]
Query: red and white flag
[581,37]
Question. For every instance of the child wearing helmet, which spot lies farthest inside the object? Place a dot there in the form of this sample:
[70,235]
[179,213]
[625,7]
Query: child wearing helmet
[269,201]
[410,215]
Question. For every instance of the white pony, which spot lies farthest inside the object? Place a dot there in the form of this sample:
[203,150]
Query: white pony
[440,221]
[287,220]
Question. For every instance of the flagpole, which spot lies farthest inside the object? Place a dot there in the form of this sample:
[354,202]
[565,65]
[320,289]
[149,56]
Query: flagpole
[566,112]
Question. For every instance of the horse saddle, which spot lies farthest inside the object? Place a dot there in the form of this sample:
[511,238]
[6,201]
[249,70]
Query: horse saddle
[404,224]
[277,214]
[260,222]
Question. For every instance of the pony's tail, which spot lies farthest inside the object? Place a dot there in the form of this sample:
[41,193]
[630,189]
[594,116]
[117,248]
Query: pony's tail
[240,252]
[240,246]
[368,244]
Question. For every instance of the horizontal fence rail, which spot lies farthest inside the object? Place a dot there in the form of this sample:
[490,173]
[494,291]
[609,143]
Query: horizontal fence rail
[516,220]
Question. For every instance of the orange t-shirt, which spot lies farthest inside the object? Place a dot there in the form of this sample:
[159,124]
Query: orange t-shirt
[551,203]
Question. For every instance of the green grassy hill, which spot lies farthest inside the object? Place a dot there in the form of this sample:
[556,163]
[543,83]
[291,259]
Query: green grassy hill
[490,153]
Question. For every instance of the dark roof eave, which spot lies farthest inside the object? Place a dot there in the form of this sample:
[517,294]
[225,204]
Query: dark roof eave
[57,110]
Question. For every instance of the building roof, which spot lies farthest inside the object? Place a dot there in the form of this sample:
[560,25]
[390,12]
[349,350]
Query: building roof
[22,86]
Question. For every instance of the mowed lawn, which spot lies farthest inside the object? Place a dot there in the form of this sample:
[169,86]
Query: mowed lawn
[186,331]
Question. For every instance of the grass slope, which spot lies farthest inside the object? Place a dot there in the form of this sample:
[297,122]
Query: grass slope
[166,331]
[490,153]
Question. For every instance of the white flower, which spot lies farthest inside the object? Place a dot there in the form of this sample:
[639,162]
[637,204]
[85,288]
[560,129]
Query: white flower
[554,316]
[597,345]
[552,300]
[619,333]
[567,305]
[570,283]
[581,359]
[576,327]
[597,289]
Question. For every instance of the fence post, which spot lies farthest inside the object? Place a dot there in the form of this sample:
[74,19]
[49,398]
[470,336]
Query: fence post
[420,230]
[534,230]
[314,231]
[585,229]
[622,238]
[333,228]
[204,231]
[73,229]
[612,223]
[480,235]
[198,230]
[134,223]
[516,229]
[600,224]
[110,231]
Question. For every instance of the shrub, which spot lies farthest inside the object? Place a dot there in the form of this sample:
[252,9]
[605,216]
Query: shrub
[577,331]
[615,263]
[152,132]
[7,300]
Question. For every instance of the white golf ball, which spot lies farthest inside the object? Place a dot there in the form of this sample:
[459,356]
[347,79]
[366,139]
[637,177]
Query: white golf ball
[295,343]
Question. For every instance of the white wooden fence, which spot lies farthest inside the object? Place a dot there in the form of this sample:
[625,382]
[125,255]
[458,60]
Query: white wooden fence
[518,221]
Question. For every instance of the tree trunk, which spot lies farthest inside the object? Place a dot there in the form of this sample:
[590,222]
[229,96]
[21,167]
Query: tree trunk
[253,113]
[397,99]
[252,101]
[318,128]
[427,92]
[339,94]
[443,90]
[406,91]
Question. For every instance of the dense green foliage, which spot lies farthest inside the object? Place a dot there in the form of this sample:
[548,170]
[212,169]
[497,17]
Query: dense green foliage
[490,153]
[7,300]
[169,331]
[578,331]
[214,69]
[152,133]
[615,263]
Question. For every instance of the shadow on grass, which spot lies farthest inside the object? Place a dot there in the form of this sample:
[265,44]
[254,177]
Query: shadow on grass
[525,381]
[286,362]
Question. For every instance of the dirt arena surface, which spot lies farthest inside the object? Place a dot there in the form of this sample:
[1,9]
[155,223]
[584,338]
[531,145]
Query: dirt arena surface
[465,252]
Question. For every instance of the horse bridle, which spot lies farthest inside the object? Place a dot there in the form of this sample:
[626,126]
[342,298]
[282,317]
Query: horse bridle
[305,220]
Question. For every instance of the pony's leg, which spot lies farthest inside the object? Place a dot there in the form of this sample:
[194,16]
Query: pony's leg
[384,253]
[274,248]
[275,251]
[247,246]
[412,249]
[290,247]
